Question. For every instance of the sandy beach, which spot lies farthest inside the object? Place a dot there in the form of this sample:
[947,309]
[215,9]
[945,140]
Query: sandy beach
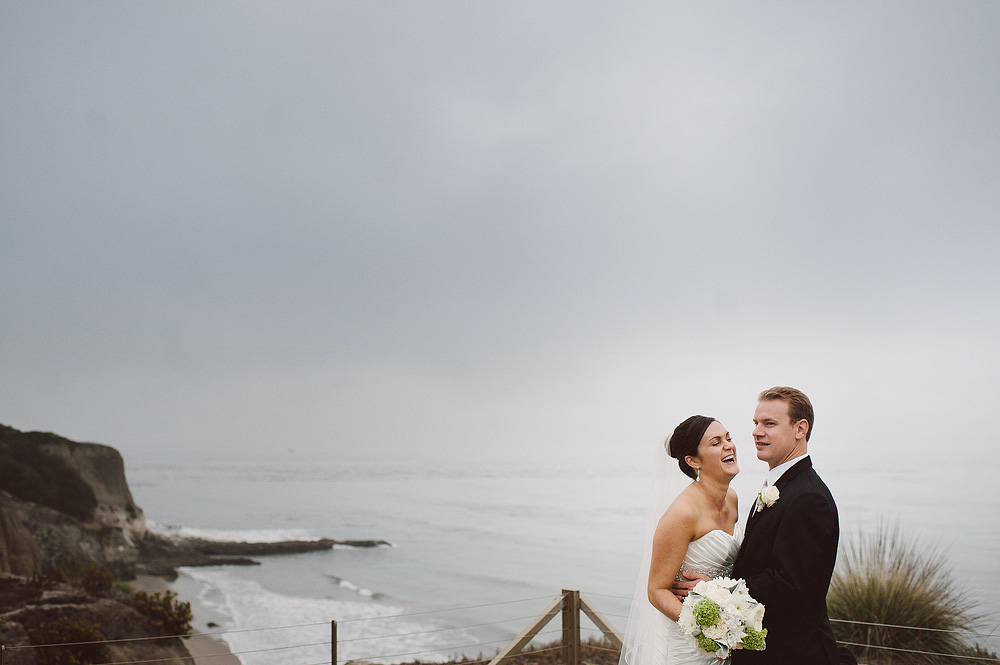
[205,649]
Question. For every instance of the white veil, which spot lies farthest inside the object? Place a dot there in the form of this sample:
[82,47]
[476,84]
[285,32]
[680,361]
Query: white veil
[645,639]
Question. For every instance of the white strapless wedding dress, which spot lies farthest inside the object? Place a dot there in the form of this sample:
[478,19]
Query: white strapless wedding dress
[712,555]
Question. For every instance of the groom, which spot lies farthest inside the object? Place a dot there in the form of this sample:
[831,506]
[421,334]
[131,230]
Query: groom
[790,545]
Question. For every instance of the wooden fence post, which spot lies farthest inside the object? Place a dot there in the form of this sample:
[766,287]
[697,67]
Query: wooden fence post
[571,627]
[333,643]
[514,648]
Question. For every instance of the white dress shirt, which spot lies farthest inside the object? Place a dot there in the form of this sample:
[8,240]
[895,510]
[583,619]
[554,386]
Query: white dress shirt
[778,471]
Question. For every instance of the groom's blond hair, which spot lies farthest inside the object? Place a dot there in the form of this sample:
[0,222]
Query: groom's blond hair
[799,406]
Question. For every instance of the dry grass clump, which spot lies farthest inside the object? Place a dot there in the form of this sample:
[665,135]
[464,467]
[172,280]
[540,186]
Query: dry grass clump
[888,579]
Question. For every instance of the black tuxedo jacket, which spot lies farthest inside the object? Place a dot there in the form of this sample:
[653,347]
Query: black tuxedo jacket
[787,558]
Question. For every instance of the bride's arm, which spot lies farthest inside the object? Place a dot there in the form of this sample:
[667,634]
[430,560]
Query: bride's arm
[670,542]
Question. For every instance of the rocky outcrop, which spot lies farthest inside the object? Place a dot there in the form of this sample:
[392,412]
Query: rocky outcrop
[281,547]
[66,508]
[39,538]
[19,553]
[162,555]
[64,542]
[14,636]
[41,534]
[25,605]
[103,468]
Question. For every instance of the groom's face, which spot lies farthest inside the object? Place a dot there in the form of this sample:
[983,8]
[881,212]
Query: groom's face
[777,438]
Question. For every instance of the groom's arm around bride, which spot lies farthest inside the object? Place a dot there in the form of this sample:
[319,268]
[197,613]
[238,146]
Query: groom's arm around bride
[790,544]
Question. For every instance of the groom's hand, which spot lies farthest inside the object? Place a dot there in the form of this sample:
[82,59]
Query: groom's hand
[681,588]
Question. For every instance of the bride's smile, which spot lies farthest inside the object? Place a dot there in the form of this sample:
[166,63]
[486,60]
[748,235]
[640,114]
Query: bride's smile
[717,452]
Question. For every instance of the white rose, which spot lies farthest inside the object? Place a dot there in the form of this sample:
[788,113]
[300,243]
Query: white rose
[769,495]
[720,596]
[716,632]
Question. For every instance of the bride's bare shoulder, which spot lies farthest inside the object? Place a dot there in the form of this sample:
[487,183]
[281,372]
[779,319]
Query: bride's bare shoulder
[682,512]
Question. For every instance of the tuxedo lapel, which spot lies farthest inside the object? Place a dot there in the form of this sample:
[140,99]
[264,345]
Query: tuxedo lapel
[787,477]
[753,510]
[793,473]
[754,514]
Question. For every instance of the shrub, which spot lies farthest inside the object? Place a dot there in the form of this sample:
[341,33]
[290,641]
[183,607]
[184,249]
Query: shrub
[889,591]
[90,576]
[168,615]
[85,643]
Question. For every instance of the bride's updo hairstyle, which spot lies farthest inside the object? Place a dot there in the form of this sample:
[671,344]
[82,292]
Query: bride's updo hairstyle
[685,439]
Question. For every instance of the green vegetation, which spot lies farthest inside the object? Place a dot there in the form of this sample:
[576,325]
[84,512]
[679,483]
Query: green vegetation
[885,581]
[90,577]
[85,643]
[168,615]
[30,473]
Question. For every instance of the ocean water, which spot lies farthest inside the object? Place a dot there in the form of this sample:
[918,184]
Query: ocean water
[476,553]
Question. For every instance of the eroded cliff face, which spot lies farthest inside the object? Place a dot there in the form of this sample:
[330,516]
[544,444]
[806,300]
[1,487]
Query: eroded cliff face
[64,507]
[103,469]
[38,538]
[65,542]
[19,553]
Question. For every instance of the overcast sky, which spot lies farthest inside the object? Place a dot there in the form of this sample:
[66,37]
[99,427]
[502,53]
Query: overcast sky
[457,227]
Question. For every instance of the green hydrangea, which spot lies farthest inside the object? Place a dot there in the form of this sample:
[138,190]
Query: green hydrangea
[706,612]
[707,643]
[754,640]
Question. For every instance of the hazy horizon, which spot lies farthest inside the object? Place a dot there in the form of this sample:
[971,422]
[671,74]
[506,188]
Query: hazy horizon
[476,231]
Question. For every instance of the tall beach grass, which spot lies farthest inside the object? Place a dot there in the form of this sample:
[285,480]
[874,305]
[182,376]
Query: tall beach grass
[896,598]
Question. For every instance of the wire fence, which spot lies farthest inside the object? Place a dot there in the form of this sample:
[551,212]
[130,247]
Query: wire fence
[454,649]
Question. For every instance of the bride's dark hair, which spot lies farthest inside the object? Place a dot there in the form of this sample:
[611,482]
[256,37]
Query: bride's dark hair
[685,439]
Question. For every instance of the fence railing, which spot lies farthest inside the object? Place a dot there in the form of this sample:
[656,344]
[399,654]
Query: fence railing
[570,605]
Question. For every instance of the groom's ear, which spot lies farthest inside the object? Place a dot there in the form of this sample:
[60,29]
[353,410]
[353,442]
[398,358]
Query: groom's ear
[802,429]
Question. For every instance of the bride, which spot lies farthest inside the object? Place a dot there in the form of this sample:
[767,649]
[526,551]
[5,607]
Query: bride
[695,533]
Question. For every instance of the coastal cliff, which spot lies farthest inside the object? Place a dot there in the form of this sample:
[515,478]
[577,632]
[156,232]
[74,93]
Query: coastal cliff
[65,504]
[70,530]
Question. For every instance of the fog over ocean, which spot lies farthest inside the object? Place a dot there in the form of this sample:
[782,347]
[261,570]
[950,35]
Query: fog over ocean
[437,273]
[496,542]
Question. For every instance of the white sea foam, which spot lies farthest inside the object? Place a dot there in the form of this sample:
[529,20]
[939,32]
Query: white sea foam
[267,628]
[233,535]
[351,586]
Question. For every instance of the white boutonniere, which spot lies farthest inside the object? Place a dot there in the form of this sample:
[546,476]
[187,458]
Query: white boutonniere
[767,497]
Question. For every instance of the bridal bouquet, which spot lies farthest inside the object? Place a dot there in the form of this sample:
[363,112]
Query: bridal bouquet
[720,615]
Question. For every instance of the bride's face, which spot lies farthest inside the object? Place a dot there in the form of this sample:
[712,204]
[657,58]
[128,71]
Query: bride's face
[717,453]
